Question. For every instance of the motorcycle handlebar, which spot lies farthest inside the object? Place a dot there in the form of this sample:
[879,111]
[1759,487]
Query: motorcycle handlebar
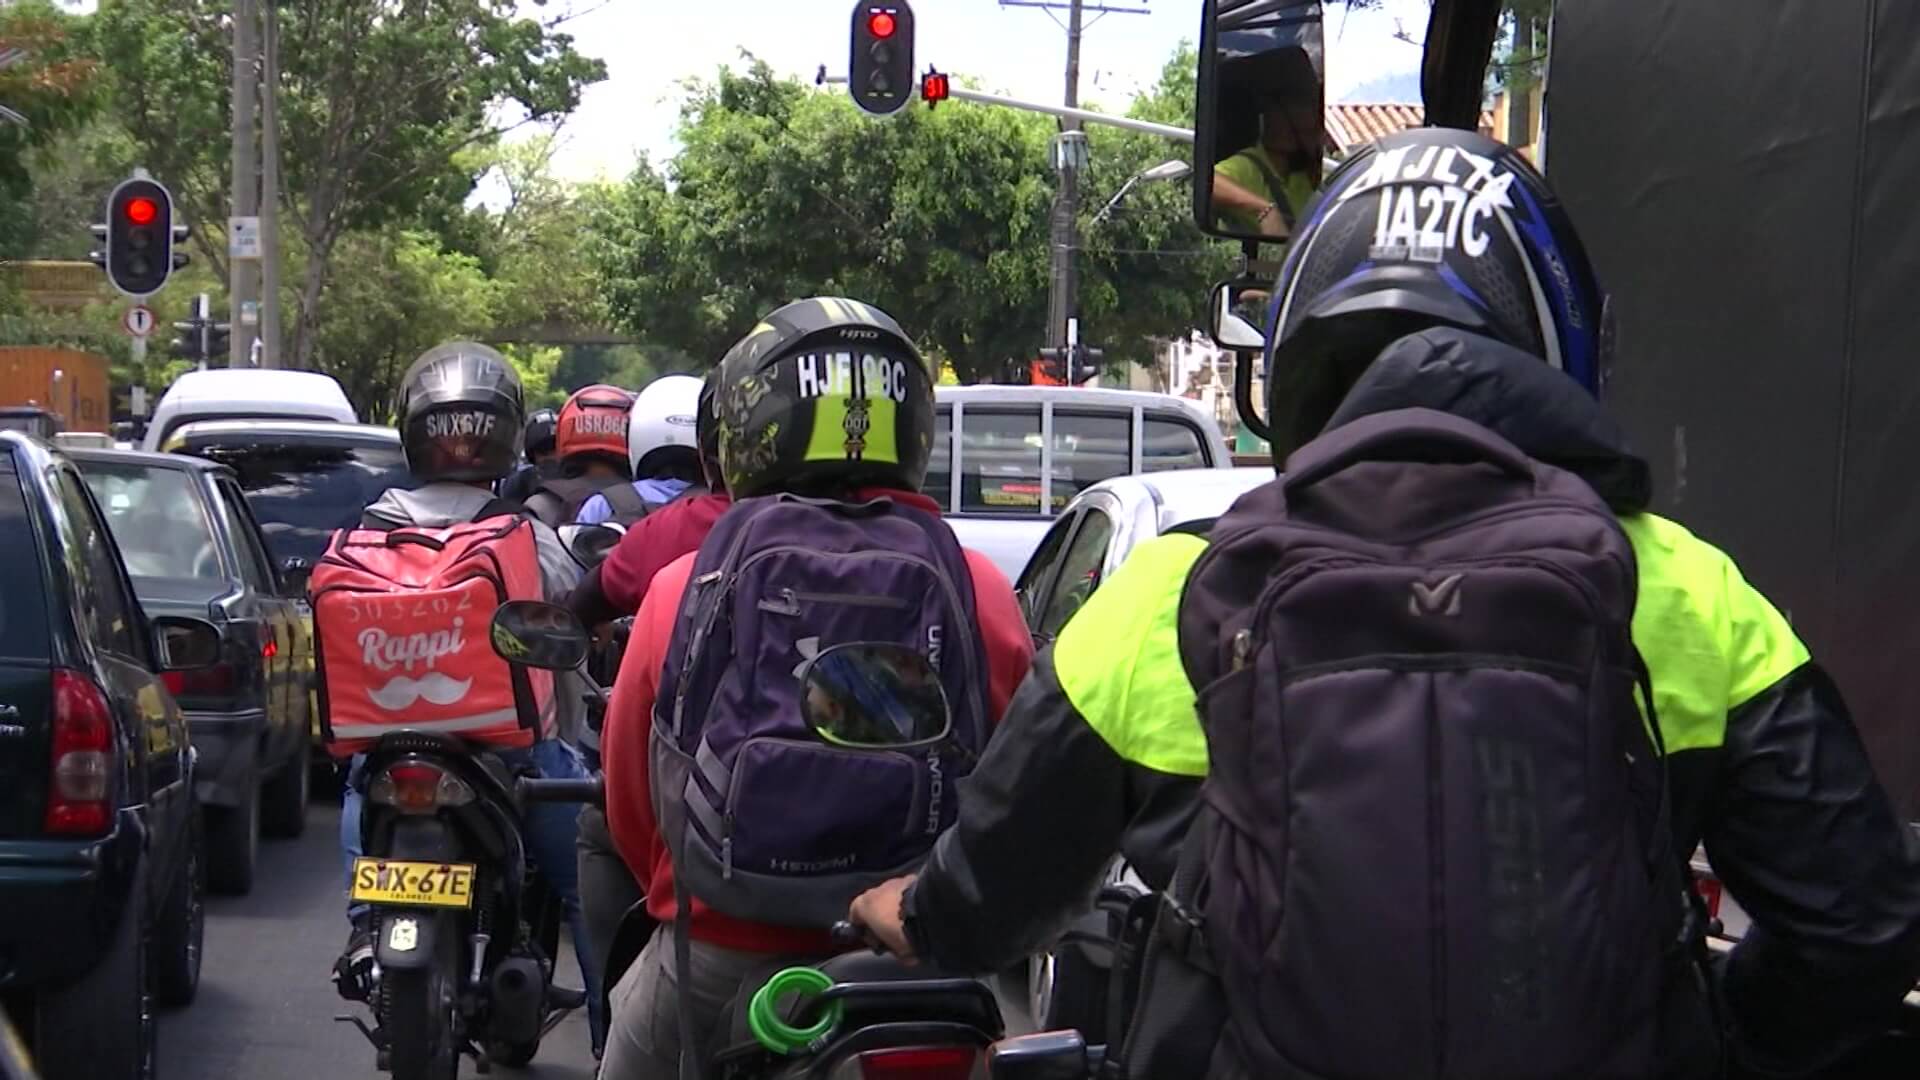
[582,791]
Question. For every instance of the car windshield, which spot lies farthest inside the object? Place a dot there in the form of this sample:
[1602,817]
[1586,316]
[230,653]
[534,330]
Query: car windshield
[158,519]
[302,491]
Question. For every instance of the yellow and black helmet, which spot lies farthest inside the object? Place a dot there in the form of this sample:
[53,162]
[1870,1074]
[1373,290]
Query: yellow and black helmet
[824,393]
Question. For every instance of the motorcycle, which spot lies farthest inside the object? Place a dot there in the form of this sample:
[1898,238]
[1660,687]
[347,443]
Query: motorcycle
[465,935]
[860,1015]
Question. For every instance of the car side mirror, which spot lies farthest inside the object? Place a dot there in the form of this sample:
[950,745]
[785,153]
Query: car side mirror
[294,572]
[181,643]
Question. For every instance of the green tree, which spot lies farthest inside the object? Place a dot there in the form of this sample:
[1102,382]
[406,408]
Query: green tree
[377,102]
[47,88]
[939,216]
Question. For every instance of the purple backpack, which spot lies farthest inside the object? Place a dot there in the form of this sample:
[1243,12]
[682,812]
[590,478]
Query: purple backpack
[766,821]
[1434,839]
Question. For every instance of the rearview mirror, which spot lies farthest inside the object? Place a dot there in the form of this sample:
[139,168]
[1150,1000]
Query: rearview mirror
[873,696]
[539,635]
[591,544]
[1235,314]
[1259,116]
[181,643]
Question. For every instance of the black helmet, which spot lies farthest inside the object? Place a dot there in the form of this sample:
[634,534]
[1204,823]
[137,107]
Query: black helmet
[461,414]
[824,393]
[1424,228]
[539,436]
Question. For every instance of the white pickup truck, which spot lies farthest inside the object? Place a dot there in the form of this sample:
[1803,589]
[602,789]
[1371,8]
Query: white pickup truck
[1008,459]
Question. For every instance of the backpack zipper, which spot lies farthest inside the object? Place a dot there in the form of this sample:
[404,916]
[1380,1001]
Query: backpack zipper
[789,601]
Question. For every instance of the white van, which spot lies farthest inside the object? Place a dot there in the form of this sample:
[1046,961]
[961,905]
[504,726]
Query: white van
[247,394]
[1007,459]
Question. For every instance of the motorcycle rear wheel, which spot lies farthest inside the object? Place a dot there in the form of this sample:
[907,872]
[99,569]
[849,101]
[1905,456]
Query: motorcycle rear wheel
[419,1018]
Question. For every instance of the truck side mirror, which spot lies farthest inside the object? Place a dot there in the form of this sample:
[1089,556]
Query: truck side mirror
[1259,138]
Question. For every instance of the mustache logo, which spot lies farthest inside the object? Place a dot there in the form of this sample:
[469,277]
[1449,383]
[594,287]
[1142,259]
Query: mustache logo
[402,692]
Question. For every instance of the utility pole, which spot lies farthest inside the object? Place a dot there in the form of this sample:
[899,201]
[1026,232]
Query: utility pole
[1069,158]
[244,273]
[270,191]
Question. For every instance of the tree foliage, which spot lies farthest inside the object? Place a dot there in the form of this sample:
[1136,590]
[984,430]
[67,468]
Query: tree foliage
[377,101]
[938,216]
[50,84]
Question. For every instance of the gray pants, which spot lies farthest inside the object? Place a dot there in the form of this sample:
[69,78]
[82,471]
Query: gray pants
[643,1040]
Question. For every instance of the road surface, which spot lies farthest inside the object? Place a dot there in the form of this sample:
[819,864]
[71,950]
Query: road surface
[266,1003]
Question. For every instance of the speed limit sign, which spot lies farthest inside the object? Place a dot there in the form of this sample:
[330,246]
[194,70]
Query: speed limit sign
[138,320]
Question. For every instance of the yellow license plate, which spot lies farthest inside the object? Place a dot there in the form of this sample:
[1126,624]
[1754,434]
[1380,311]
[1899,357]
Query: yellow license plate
[413,884]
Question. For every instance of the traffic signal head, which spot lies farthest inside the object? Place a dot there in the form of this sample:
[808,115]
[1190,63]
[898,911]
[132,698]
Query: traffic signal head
[880,75]
[140,236]
[934,88]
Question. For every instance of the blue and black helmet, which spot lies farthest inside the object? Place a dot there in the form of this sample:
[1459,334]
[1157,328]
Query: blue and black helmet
[1427,227]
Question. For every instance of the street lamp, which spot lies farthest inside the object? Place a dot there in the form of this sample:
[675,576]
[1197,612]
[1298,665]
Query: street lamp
[1166,170]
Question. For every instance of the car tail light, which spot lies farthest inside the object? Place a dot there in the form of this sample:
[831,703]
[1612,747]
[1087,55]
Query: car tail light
[79,802]
[216,681]
[418,787]
[1710,890]
[919,1063]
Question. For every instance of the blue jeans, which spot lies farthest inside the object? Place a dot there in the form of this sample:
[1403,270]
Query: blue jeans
[550,831]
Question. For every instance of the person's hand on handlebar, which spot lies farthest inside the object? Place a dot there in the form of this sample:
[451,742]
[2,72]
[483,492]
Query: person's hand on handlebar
[878,912]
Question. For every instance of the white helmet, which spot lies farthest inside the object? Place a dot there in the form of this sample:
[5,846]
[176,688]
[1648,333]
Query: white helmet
[664,414]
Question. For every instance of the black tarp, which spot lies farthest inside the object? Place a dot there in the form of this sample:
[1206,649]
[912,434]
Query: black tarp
[1747,176]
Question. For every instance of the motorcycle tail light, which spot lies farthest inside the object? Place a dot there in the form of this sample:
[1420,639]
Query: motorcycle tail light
[919,1063]
[1710,890]
[418,787]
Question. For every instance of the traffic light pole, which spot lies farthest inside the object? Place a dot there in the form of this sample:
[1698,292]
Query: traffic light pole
[244,274]
[1063,294]
[1085,116]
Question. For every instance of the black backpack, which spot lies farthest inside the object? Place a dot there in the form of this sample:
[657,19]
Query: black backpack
[557,501]
[1434,840]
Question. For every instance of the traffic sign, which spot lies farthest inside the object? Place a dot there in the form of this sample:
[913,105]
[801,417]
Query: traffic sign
[138,320]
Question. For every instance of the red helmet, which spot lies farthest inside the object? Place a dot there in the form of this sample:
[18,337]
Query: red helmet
[594,421]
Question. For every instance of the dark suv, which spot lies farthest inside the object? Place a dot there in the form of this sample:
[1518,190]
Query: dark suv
[193,548]
[100,862]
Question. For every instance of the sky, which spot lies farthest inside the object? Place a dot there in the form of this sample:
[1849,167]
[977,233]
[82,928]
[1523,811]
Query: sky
[652,46]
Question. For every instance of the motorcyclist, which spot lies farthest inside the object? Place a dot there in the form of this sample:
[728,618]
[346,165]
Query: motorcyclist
[644,1040]
[661,453]
[543,461]
[1765,764]
[591,439]
[613,589]
[616,586]
[457,465]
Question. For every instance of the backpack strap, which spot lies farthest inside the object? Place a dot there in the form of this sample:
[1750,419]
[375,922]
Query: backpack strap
[499,507]
[626,502]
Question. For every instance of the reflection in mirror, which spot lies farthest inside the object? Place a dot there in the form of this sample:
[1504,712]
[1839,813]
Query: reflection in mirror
[591,544]
[1261,116]
[294,574]
[539,635]
[873,695]
[1238,311]
[184,644]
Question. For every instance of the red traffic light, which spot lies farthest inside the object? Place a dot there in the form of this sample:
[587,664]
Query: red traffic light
[142,210]
[881,24]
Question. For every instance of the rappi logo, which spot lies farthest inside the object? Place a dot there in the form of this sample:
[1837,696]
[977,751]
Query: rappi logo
[385,652]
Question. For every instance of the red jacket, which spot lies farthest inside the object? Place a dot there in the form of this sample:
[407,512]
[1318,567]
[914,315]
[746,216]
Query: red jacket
[629,724]
[653,542]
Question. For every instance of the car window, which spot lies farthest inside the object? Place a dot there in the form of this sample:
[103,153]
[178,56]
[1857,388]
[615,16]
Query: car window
[1032,590]
[253,558]
[1079,573]
[1170,444]
[158,518]
[302,492]
[939,481]
[106,610]
[1089,448]
[1000,460]
[23,601]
